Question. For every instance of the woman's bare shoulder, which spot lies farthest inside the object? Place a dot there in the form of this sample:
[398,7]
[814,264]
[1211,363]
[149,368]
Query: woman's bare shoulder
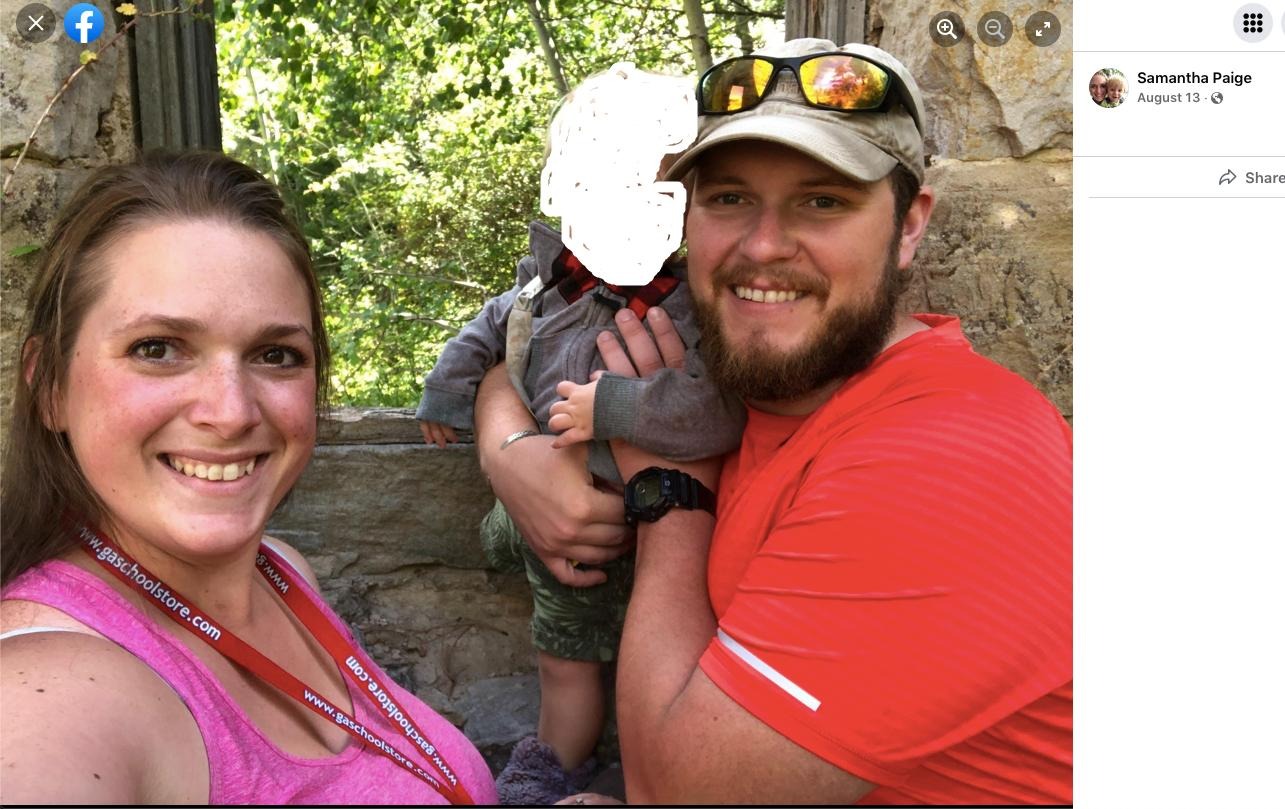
[295,558]
[17,615]
[84,721]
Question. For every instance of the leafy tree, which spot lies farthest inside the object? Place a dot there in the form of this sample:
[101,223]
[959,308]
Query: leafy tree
[408,139]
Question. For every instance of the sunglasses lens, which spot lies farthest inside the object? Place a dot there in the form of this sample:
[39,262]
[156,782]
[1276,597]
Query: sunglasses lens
[843,82]
[735,85]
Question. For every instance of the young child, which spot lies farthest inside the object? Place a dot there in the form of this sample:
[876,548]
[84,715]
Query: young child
[1115,92]
[623,224]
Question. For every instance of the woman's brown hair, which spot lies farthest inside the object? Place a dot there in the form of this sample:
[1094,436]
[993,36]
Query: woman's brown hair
[42,480]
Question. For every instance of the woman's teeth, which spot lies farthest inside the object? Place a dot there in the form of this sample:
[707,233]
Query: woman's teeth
[766,296]
[212,471]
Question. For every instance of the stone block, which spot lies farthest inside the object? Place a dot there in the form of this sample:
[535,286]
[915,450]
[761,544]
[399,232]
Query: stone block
[458,639]
[355,425]
[90,125]
[385,506]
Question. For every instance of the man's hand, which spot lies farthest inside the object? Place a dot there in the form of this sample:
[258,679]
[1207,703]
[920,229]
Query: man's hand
[641,355]
[438,433]
[548,492]
[573,416]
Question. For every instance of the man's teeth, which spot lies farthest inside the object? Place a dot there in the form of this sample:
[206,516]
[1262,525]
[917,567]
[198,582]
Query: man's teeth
[213,471]
[766,296]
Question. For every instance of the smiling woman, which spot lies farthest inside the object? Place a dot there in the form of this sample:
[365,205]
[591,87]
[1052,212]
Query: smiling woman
[173,367]
[111,224]
[198,349]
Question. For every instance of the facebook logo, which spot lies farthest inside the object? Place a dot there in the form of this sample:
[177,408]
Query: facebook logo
[83,23]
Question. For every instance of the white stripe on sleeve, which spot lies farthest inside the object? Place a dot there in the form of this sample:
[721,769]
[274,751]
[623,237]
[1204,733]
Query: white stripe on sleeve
[787,685]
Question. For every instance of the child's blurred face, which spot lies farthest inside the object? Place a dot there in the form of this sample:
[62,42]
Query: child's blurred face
[1114,92]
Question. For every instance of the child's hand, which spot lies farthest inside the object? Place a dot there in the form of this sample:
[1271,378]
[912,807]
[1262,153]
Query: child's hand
[572,418]
[438,433]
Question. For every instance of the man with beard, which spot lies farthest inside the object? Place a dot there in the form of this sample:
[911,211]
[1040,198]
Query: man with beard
[882,611]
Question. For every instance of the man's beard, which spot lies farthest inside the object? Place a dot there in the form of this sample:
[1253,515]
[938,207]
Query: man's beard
[844,342]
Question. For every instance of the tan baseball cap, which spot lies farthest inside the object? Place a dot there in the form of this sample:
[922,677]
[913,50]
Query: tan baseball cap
[865,145]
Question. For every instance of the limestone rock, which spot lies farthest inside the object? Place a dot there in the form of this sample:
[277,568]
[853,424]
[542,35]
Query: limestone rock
[31,74]
[500,711]
[90,125]
[983,102]
[35,197]
[998,255]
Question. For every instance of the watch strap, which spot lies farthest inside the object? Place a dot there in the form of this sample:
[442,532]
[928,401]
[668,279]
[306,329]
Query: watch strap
[693,494]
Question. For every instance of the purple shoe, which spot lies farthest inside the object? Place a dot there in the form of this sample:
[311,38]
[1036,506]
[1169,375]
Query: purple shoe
[534,776]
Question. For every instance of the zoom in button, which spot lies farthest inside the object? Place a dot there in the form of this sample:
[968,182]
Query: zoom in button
[947,29]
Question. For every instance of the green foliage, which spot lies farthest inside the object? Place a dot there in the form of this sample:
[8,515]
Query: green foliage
[408,139]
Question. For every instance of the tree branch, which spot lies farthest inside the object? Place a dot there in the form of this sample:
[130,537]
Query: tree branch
[546,44]
[699,34]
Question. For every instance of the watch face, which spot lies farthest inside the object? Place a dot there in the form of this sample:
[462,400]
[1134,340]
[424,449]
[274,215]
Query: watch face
[648,491]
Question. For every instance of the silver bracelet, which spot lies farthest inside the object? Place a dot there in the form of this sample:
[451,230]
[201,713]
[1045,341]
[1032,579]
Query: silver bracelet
[520,434]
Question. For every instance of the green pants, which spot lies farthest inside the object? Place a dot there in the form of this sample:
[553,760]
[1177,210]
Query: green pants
[573,623]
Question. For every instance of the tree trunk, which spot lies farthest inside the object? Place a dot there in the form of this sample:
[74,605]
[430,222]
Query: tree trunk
[699,34]
[840,21]
[546,44]
[741,24]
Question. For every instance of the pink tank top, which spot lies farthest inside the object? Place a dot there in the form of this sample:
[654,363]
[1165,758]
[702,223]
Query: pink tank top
[245,767]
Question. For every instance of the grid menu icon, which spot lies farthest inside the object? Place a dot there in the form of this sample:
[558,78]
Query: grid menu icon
[1252,22]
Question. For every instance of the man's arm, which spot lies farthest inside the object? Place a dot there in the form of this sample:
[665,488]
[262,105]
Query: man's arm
[682,739]
[548,492]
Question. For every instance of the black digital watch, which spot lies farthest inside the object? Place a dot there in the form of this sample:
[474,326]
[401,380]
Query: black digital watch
[651,493]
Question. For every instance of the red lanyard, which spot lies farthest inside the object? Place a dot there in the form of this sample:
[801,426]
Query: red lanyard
[352,661]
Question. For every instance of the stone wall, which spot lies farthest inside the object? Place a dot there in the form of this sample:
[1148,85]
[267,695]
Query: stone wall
[998,251]
[92,125]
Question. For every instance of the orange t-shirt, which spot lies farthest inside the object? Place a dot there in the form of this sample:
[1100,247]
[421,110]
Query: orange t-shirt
[892,578]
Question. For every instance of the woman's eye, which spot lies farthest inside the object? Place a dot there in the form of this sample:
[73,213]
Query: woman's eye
[282,356]
[153,350]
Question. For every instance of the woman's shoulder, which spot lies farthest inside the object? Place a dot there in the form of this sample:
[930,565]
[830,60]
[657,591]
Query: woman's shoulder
[85,721]
[19,617]
[295,559]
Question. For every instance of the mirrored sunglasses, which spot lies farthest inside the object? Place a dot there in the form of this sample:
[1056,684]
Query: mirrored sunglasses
[833,81]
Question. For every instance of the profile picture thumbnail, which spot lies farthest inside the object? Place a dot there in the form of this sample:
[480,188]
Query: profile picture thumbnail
[1108,88]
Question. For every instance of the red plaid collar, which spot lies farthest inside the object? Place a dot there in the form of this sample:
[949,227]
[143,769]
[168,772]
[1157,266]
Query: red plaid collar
[573,280]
